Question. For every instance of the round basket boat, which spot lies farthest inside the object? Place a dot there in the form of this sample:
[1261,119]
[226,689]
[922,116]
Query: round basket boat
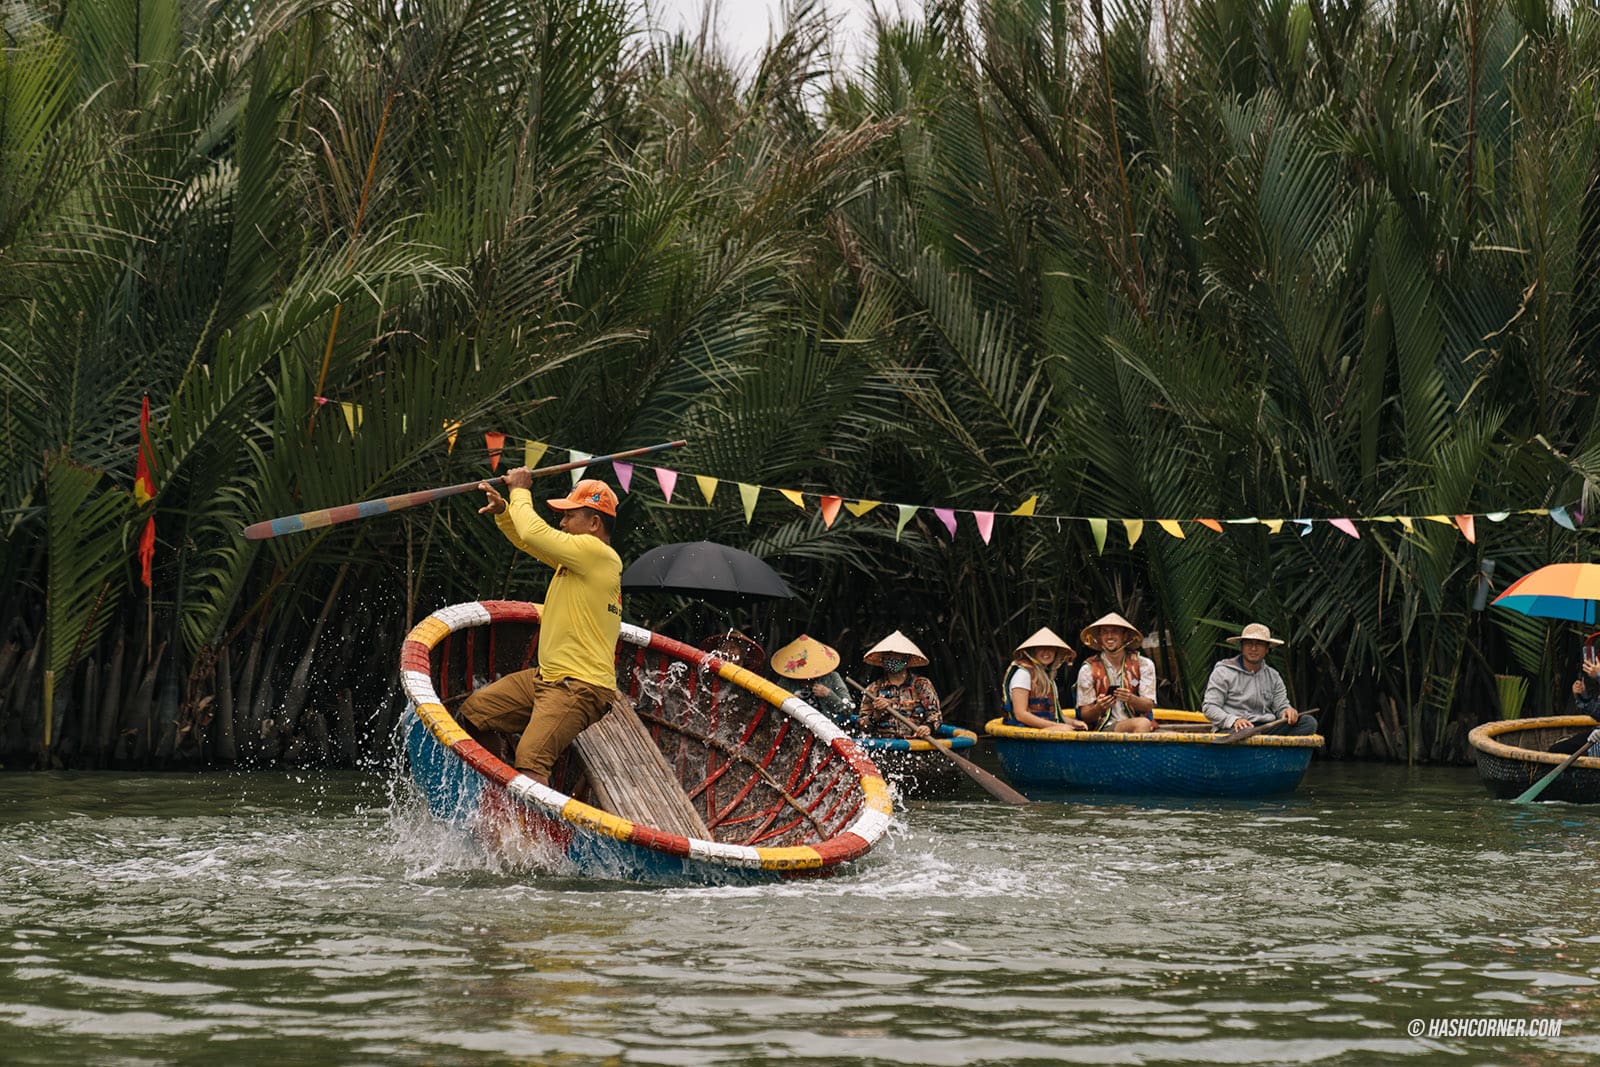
[781,790]
[914,767]
[1514,753]
[1158,763]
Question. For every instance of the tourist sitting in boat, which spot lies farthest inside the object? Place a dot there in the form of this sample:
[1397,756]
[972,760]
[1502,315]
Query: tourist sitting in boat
[810,670]
[1585,701]
[1117,685]
[576,679]
[731,646]
[1032,697]
[896,689]
[1244,691]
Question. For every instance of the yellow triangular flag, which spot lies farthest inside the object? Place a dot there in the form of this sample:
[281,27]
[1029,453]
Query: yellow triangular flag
[1135,527]
[1444,519]
[794,497]
[1098,528]
[861,507]
[748,494]
[533,452]
[352,415]
[1273,525]
[1405,520]
[708,486]
[1027,506]
[1172,527]
[450,431]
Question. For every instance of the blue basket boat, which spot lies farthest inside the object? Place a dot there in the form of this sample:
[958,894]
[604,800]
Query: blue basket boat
[783,791]
[913,765]
[1158,763]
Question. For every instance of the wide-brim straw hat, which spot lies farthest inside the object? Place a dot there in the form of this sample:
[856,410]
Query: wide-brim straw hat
[896,644]
[1087,634]
[804,658]
[1254,632]
[1043,637]
[733,646]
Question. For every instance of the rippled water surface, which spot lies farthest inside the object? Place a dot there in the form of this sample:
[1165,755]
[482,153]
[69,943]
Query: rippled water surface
[277,919]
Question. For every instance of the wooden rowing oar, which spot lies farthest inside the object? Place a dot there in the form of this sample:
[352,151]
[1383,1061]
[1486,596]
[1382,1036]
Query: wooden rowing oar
[994,786]
[1250,731]
[1233,736]
[312,520]
[1532,792]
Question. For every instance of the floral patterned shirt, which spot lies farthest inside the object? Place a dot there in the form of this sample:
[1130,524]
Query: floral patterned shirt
[916,700]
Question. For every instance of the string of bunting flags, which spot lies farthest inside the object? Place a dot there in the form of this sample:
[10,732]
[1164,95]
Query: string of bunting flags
[829,505]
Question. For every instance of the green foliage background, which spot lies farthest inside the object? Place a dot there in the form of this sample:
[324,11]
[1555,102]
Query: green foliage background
[1190,258]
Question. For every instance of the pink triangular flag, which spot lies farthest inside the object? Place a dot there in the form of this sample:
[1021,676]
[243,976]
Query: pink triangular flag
[948,517]
[1347,526]
[1467,528]
[985,521]
[669,481]
[496,443]
[830,510]
[624,473]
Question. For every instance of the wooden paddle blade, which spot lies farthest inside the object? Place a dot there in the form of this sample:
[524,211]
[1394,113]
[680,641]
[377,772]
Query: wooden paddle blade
[1532,792]
[994,786]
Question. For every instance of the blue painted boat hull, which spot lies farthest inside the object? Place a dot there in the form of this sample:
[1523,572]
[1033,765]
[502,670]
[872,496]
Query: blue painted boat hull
[1138,766]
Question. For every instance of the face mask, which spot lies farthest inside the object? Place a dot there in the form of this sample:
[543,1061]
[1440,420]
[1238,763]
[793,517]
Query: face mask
[894,664]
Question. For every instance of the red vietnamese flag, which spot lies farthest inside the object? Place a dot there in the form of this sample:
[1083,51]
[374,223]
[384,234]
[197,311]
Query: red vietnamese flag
[144,491]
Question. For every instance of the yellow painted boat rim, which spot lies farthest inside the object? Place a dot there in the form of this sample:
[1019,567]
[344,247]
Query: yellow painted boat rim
[997,728]
[1485,738]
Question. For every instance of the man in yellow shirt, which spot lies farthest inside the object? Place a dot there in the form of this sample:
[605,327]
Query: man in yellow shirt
[576,678]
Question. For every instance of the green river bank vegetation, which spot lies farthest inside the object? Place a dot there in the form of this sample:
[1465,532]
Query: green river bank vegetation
[1184,258]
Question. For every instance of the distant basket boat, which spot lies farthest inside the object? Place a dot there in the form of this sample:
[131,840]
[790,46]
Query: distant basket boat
[1159,763]
[912,764]
[783,791]
[1514,753]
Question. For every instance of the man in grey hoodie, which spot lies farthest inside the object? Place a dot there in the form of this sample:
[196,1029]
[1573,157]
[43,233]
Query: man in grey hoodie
[1245,692]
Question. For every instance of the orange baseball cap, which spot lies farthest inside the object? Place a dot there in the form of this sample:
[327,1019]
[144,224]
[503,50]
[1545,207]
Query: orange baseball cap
[589,493]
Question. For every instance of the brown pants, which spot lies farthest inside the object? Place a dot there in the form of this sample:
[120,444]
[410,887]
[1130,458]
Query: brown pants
[547,714]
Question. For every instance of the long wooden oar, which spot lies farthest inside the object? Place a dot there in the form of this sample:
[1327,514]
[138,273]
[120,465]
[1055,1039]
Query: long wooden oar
[1532,792]
[1239,735]
[994,786]
[311,520]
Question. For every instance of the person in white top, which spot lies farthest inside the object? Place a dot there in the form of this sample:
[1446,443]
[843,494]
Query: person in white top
[1117,686]
[1032,698]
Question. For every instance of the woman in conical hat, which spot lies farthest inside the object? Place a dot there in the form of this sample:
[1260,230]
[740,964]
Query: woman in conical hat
[1031,696]
[897,689]
[810,670]
[1117,685]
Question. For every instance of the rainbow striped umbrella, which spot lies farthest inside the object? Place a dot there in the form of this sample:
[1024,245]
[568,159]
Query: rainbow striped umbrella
[1568,591]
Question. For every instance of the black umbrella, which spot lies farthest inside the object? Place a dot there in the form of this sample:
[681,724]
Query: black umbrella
[704,569]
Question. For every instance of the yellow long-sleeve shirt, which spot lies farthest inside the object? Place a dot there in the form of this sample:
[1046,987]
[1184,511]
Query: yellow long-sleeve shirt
[582,607]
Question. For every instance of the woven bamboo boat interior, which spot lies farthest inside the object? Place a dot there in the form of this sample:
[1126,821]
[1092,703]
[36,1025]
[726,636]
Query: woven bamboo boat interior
[746,772]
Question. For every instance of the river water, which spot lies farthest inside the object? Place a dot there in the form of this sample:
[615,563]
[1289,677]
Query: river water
[272,919]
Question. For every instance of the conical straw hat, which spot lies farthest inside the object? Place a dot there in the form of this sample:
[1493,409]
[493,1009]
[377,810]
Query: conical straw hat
[1044,637]
[804,658]
[898,644]
[1087,635]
